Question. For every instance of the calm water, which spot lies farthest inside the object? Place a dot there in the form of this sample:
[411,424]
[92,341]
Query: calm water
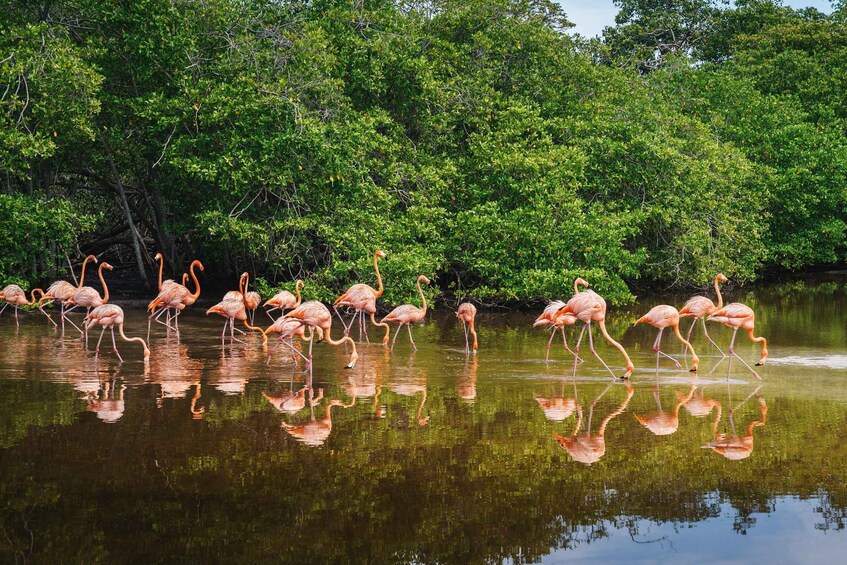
[210,455]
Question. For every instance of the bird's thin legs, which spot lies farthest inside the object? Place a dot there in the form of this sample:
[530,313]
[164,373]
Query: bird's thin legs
[657,348]
[395,336]
[17,323]
[409,327]
[710,338]
[549,341]
[568,349]
[97,349]
[232,332]
[41,309]
[365,326]
[591,345]
[734,354]
[3,308]
[268,312]
[115,345]
[691,329]
[468,343]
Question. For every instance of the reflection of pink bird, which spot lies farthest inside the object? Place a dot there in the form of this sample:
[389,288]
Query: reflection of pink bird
[553,317]
[109,316]
[62,291]
[588,306]
[586,447]
[316,315]
[89,298]
[467,314]
[661,317]
[284,300]
[356,297]
[663,423]
[698,307]
[735,447]
[408,314]
[737,315]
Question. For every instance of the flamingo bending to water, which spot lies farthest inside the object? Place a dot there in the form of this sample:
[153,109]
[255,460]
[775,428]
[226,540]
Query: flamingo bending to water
[735,316]
[109,316]
[553,317]
[699,307]
[467,314]
[317,316]
[62,291]
[661,317]
[15,295]
[408,314]
[234,310]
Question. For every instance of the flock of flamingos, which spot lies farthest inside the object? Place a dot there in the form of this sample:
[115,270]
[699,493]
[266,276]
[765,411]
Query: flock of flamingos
[304,320]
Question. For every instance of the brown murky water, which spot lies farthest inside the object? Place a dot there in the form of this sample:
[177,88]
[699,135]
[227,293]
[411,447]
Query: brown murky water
[209,454]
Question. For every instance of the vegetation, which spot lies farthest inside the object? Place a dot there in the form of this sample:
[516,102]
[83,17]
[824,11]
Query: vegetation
[473,141]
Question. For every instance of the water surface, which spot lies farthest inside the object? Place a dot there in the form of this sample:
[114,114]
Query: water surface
[210,454]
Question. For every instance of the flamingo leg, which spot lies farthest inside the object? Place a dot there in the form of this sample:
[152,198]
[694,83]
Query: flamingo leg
[657,347]
[3,308]
[71,321]
[710,338]
[268,312]
[41,309]
[594,351]
[97,349]
[467,340]
[232,332]
[223,333]
[743,362]
[309,360]
[568,349]
[691,329]
[365,327]
[549,341]
[115,345]
[409,327]
[343,323]
[17,323]
[395,336]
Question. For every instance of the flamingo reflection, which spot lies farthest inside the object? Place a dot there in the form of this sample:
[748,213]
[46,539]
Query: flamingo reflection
[663,423]
[735,447]
[587,447]
[466,386]
[108,406]
[315,432]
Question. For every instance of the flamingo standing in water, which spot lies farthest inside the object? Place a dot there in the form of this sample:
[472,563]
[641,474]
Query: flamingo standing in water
[252,300]
[357,297]
[552,317]
[15,295]
[317,316]
[467,314]
[63,291]
[290,327]
[176,296]
[661,317]
[89,298]
[109,316]
[735,316]
[588,306]
[408,314]
[234,309]
[698,307]
[284,300]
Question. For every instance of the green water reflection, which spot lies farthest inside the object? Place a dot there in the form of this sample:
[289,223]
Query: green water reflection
[211,455]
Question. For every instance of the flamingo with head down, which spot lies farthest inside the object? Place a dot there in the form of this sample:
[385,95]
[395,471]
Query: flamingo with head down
[661,317]
[62,291]
[317,316]
[735,316]
[552,316]
[284,300]
[109,316]
[467,314]
[15,295]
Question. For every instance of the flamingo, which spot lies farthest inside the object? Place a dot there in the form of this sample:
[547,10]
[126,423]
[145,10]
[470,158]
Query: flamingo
[252,299]
[284,300]
[63,291]
[176,296]
[237,294]
[316,315]
[15,295]
[291,402]
[698,307]
[109,316]
[551,317]
[167,282]
[735,316]
[467,314]
[290,327]
[588,306]
[88,297]
[234,310]
[661,317]
[358,301]
[408,314]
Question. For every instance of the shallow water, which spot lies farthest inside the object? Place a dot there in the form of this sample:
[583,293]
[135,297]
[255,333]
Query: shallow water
[209,454]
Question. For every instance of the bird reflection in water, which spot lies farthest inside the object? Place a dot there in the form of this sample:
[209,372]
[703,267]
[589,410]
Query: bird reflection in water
[414,382]
[733,446]
[367,381]
[107,402]
[663,423]
[174,370]
[232,373]
[587,447]
[466,385]
[558,408]
[315,432]
[291,402]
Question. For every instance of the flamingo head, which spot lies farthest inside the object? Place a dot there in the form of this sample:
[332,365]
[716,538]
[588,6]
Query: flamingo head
[198,264]
[721,277]
[157,257]
[106,266]
[380,253]
[582,282]
[424,279]
[91,258]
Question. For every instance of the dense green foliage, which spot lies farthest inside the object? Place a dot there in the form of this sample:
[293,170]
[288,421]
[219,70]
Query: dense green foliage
[475,142]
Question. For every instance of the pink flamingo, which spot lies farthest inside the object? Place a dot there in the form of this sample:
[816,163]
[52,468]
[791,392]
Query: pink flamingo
[176,297]
[15,295]
[661,317]
[357,297]
[290,327]
[315,315]
[252,299]
[62,291]
[467,314]
[408,314]
[167,282]
[735,316]
[552,317]
[588,306]
[284,300]
[109,316]
[89,298]
[698,307]
[234,309]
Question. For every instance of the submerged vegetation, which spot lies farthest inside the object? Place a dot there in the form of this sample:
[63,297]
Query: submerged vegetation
[476,141]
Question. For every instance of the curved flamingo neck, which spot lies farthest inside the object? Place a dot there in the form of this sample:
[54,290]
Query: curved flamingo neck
[423,298]
[576,285]
[379,290]
[718,292]
[32,296]
[161,266]
[629,366]
[103,282]
[196,293]
[82,274]
[297,287]
[255,329]
[138,339]
[246,286]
